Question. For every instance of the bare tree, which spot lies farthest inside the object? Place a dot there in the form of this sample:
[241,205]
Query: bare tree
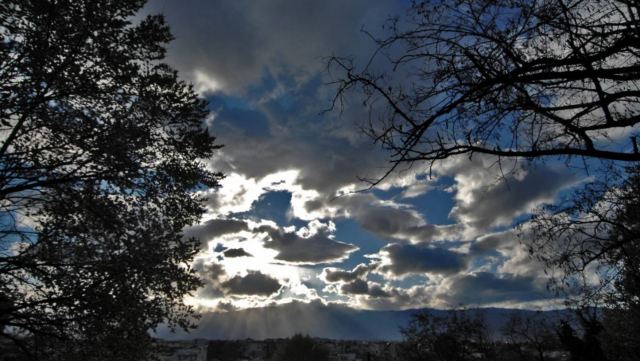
[532,337]
[591,241]
[591,247]
[509,78]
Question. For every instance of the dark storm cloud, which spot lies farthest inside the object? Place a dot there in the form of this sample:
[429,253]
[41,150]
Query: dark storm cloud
[277,50]
[485,287]
[403,259]
[376,291]
[211,274]
[215,228]
[324,163]
[214,271]
[361,287]
[337,275]
[208,271]
[254,283]
[314,249]
[236,252]
[357,287]
[318,248]
[235,41]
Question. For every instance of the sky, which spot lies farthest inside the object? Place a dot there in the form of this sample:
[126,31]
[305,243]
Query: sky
[293,222]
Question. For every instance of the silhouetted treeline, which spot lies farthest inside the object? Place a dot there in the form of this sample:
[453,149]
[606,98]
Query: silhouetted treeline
[462,335]
[591,335]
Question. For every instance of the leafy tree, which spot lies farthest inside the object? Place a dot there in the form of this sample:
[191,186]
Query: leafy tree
[509,78]
[456,336]
[101,158]
[302,348]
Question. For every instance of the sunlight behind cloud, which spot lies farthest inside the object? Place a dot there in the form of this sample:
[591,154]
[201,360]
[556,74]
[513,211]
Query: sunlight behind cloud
[204,83]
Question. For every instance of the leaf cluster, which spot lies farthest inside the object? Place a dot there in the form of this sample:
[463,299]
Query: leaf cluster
[102,158]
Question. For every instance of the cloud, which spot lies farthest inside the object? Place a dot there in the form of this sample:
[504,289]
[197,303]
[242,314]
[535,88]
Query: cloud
[211,274]
[213,271]
[236,194]
[512,248]
[487,287]
[214,228]
[336,275]
[395,298]
[321,163]
[393,221]
[401,259]
[494,241]
[314,249]
[491,192]
[209,271]
[357,287]
[229,44]
[236,252]
[498,204]
[265,90]
[254,283]
[361,287]
[386,219]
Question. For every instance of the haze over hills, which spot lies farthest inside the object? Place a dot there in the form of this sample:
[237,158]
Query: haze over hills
[324,321]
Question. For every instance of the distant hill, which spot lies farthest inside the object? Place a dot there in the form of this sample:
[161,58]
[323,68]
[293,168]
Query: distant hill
[319,320]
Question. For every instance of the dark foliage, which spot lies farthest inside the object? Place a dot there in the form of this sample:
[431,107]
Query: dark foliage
[224,350]
[530,338]
[460,335]
[302,348]
[454,337]
[585,348]
[100,160]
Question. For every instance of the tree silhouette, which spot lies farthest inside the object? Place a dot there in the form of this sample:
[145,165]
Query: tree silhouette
[592,246]
[595,232]
[585,348]
[302,348]
[509,78]
[524,79]
[453,337]
[99,163]
[535,333]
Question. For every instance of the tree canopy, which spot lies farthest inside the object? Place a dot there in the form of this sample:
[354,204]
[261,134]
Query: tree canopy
[101,160]
[509,78]
[302,348]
